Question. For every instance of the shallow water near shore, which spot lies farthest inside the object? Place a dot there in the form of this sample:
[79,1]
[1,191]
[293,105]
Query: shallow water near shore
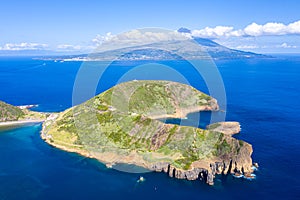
[263,95]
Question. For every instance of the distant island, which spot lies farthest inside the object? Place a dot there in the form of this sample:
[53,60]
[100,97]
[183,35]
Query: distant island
[163,50]
[121,125]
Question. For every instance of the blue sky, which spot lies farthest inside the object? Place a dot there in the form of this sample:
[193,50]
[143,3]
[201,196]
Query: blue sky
[72,25]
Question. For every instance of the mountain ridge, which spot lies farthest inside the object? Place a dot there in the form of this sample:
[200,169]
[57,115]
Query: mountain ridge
[167,50]
[181,48]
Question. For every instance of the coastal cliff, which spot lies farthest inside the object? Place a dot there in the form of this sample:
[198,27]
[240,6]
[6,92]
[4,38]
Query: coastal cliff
[227,128]
[120,126]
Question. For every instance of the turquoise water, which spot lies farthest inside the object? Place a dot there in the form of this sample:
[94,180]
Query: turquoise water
[262,94]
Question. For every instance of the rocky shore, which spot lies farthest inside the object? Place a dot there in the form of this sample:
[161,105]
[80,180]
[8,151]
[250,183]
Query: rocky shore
[202,170]
[207,173]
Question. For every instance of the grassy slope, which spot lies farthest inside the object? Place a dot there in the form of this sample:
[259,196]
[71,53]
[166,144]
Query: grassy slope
[117,121]
[154,97]
[9,112]
[13,113]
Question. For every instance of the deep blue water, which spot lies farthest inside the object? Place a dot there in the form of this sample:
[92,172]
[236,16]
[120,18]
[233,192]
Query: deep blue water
[261,94]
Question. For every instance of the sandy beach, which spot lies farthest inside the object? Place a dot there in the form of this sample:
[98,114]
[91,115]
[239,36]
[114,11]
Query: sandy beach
[18,123]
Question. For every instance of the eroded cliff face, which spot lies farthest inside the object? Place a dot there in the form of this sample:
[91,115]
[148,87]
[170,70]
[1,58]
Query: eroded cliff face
[119,126]
[206,170]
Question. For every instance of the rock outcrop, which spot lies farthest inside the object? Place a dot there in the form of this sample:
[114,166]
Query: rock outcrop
[203,174]
[228,128]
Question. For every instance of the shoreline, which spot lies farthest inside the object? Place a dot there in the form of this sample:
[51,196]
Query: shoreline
[109,161]
[20,122]
[203,170]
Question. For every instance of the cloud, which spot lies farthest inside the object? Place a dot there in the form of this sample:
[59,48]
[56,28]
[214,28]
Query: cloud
[254,29]
[294,28]
[247,47]
[263,44]
[267,29]
[218,31]
[286,46]
[99,39]
[137,37]
[146,36]
[23,46]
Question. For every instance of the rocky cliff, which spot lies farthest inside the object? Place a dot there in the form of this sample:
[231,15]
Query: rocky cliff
[228,128]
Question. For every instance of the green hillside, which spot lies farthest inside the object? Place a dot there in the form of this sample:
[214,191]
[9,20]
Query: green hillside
[9,112]
[119,125]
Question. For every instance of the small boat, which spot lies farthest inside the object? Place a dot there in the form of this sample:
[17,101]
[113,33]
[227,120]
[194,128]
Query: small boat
[141,179]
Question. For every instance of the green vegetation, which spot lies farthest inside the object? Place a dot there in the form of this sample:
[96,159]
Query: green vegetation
[184,163]
[213,126]
[119,121]
[224,148]
[13,113]
[9,112]
[152,98]
[151,104]
[67,123]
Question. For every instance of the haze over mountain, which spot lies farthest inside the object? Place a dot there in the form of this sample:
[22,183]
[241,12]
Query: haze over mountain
[146,45]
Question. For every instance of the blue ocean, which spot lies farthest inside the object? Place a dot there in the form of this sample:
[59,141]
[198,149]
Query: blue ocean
[262,94]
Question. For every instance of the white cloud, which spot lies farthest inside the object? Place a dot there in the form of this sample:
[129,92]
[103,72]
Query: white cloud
[222,34]
[146,36]
[286,46]
[254,29]
[237,33]
[218,31]
[267,29]
[263,44]
[137,37]
[99,39]
[294,28]
[23,46]
[247,47]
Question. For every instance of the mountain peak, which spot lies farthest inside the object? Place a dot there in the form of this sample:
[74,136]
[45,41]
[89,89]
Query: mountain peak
[184,30]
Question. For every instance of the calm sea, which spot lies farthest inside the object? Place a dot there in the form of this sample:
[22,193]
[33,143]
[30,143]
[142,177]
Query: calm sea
[262,94]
